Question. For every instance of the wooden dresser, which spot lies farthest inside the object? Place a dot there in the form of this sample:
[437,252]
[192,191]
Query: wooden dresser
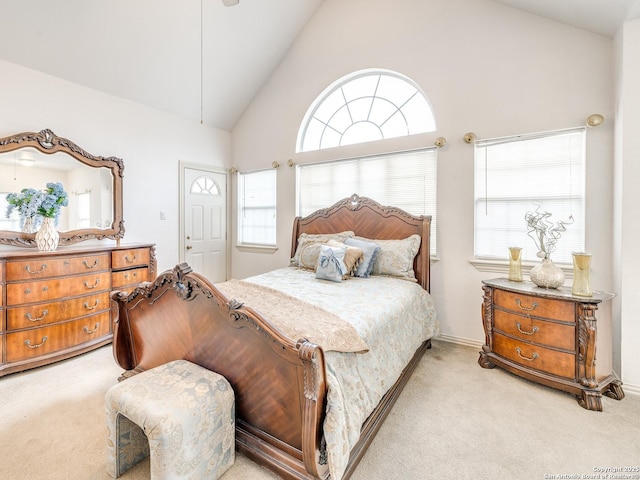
[549,336]
[55,305]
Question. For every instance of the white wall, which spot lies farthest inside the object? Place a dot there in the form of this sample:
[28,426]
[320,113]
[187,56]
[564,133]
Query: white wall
[486,68]
[150,142]
[627,198]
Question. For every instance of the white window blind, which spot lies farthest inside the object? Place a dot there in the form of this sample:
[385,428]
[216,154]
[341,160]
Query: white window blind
[257,208]
[406,180]
[84,210]
[515,175]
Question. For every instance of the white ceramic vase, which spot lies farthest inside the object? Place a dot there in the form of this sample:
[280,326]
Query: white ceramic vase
[547,274]
[28,226]
[47,237]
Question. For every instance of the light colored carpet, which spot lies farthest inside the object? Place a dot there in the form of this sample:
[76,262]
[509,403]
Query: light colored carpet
[454,420]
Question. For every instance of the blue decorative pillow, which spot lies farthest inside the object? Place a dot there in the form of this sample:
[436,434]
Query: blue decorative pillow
[370,251]
[331,264]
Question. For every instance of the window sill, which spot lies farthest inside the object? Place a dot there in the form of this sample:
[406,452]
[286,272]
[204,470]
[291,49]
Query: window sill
[502,266]
[257,248]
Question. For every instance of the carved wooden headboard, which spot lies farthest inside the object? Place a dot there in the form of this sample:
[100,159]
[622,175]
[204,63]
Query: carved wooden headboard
[367,218]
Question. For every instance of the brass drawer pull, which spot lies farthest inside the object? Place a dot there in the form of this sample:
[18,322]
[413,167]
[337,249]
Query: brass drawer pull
[528,359]
[28,269]
[95,263]
[44,314]
[533,330]
[28,343]
[528,309]
[86,305]
[89,332]
[92,286]
[126,257]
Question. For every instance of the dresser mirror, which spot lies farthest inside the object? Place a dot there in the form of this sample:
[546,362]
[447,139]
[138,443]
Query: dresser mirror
[93,185]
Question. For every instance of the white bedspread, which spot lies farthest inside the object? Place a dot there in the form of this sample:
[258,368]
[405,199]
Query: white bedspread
[393,316]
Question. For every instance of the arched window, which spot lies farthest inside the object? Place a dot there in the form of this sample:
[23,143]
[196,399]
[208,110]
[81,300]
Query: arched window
[365,106]
[204,185]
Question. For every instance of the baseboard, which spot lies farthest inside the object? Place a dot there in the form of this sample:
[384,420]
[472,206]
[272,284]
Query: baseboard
[633,389]
[627,387]
[459,341]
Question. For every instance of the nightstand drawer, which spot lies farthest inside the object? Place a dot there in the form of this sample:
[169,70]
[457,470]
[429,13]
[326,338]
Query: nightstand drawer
[534,306]
[534,356]
[537,331]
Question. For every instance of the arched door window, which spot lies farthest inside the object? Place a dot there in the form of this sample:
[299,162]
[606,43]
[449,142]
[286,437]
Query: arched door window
[204,185]
[365,106]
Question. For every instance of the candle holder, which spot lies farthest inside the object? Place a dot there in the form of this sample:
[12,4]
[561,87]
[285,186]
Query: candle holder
[515,264]
[582,274]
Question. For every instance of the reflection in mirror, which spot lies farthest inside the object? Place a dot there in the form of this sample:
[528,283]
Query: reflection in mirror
[93,185]
[90,189]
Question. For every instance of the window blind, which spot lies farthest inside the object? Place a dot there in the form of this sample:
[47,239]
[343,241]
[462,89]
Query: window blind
[406,180]
[257,208]
[515,175]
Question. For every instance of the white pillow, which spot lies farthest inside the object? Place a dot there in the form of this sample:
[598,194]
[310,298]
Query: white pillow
[396,257]
[308,248]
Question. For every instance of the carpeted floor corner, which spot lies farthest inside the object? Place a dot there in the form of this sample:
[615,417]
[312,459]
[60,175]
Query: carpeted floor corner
[454,420]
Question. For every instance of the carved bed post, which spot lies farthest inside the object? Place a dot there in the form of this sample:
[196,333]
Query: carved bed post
[314,453]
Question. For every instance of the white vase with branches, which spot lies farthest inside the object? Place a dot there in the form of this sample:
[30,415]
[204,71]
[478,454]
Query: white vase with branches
[545,235]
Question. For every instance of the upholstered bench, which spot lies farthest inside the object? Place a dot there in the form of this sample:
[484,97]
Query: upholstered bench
[180,414]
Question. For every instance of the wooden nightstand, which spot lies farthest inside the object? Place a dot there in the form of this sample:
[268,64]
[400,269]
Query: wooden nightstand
[549,336]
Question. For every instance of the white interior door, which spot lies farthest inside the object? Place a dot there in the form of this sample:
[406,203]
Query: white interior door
[205,223]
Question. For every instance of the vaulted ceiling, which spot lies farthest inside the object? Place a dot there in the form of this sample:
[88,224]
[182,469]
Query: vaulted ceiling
[198,59]
[598,16]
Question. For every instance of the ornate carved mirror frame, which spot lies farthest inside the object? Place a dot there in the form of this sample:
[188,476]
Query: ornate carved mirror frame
[49,143]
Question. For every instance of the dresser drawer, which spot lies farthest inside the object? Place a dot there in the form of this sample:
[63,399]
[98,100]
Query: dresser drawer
[538,331]
[534,306]
[47,313]
[58,288]
[129,258]
[56,266]
[45,340]
[534,356]
[129,277]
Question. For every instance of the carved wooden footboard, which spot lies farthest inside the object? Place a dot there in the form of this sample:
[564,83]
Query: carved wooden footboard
[279,383]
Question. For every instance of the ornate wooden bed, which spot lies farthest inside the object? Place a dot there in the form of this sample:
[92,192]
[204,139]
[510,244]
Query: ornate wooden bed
[280,383]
